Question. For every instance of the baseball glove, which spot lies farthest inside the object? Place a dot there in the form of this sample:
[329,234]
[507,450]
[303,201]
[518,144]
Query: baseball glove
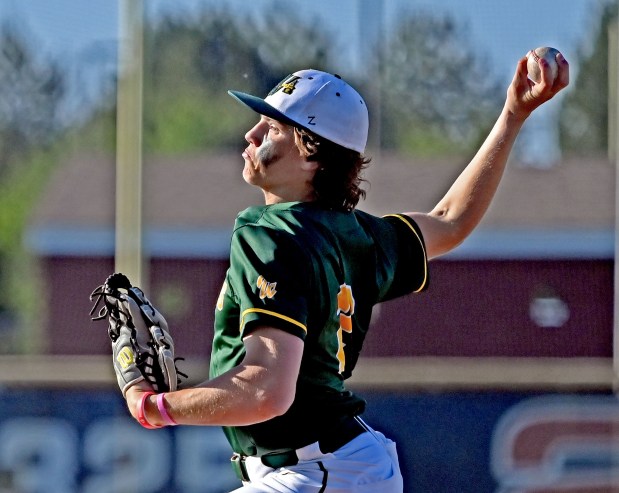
[142,346]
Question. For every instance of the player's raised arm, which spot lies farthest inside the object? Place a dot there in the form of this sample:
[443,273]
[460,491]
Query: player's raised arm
[465,203]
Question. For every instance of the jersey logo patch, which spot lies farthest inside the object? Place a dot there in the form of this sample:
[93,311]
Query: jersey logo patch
[267,289]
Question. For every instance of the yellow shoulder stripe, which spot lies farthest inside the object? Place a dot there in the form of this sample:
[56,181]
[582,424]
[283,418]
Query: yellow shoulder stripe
[273,314]
[425,256]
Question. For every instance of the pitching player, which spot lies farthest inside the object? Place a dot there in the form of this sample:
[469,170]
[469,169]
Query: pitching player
[306,268]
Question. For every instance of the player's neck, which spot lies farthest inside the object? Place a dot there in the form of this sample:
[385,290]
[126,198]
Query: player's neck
[274,197]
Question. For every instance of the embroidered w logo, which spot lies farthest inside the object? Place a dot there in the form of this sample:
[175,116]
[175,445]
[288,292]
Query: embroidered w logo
[287,85]
[125,358]
[267,289]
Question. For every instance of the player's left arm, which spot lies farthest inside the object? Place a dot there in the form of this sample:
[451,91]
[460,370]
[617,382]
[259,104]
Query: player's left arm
[262,387]
[465,203]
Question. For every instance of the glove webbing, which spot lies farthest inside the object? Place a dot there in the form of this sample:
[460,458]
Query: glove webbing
[112,297]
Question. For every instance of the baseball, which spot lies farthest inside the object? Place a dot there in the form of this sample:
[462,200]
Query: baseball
[534,56]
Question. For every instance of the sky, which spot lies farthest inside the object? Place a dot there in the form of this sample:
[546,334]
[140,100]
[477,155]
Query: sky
[86,33]
[503,28]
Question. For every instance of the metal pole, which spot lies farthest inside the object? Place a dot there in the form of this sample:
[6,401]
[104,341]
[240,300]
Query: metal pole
[613,140]
[612,92]
[128,258]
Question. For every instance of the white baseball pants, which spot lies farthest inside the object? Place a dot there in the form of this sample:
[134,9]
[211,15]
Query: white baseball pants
[366,464]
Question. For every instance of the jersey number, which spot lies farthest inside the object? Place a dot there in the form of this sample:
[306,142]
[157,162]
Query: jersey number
[345,310]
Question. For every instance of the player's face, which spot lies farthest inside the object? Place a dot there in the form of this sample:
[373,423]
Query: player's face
[273,162]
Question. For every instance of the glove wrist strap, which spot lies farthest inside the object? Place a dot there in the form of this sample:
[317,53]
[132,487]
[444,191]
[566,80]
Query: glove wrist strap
[141,414]
[167,419]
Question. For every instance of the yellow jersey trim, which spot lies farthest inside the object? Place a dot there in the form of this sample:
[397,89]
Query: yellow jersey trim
[406,220]
[273,314]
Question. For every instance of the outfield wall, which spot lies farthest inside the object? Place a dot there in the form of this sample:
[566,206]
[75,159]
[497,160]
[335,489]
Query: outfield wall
[83,441]
[461,426]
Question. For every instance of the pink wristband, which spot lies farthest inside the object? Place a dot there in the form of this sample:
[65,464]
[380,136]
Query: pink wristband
[141,415]
[167,419]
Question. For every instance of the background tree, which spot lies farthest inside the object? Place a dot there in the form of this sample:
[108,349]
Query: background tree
[32,90]
[583,118]
[193,61]
[436,97]
[190,61]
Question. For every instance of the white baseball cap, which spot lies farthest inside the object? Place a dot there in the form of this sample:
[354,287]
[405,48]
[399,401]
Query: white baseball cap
[320,102]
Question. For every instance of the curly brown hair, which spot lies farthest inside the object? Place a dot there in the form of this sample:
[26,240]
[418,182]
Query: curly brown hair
[337,182]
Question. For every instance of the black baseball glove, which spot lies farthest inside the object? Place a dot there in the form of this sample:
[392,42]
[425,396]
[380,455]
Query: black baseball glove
[142,346]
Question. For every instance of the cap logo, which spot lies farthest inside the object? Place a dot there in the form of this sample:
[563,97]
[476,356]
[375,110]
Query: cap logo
[287,85]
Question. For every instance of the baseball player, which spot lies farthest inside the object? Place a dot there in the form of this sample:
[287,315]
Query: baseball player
[306,268]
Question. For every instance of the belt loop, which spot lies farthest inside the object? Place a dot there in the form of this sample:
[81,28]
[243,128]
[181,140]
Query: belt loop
[238,466]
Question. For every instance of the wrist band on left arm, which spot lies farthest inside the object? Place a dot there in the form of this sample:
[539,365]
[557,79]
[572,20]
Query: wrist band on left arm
[141,414]
[167,419]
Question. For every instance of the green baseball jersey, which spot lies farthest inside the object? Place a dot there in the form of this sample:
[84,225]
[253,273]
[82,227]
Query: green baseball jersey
[314,273]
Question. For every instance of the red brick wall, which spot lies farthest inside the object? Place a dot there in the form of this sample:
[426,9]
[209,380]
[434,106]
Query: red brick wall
[481,308]
[72,279]
[472,308]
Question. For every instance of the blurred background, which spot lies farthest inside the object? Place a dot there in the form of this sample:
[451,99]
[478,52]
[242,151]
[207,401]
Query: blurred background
[119,147]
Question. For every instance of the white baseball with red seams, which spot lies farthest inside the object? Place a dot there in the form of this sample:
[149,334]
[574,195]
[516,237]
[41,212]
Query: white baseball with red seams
[547,53]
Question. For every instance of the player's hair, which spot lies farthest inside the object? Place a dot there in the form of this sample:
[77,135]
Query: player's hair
[337,182]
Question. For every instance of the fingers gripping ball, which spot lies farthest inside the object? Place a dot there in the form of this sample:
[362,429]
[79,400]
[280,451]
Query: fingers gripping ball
[533,57]
[142,346]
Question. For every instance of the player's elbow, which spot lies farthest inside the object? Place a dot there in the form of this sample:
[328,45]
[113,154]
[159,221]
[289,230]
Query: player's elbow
[443,240]
[445,233]
[447,243]
[274,402]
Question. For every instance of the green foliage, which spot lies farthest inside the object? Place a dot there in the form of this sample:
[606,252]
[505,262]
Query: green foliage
[435,96]
[192,62]
[19,281]
[178,125]
[98,133]
[31,92]
[31,89]
[583,119]
[423,142]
